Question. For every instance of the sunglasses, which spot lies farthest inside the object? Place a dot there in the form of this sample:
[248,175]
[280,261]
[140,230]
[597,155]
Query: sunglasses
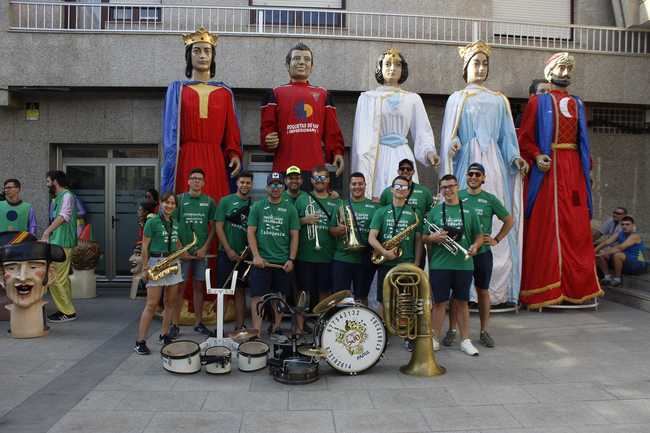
[400,187]
[320,178]
[474,174]
[276,186]
[405,168]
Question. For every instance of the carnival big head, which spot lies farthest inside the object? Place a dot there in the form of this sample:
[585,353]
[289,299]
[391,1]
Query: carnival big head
[558,69]
[391,68]
[26,272]
[476,61]
[199,53]
[299,62]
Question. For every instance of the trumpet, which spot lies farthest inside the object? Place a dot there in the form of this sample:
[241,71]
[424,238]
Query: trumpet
[312,229]
[449,244]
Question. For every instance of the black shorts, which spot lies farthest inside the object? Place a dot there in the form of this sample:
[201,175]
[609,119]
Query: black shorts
[381,275]
[269,280]
[224,267]
[483,270]
[357,275]
[445,281]
[315,279]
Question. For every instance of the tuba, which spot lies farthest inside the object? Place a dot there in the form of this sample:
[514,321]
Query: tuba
[312,229]
[167,265]
[407,313]
[394,242]
[351,242]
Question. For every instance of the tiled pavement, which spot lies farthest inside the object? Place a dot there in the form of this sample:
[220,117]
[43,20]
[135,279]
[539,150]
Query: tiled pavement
[551,372]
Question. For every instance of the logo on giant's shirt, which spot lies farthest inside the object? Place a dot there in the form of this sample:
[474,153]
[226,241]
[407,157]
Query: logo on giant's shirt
[302,110]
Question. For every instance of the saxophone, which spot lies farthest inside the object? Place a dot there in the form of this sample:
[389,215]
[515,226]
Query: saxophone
[167,265]
[394,242]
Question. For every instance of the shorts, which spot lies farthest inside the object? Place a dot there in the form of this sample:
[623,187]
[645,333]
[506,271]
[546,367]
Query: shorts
[169,280]
[483,270]
[357,275]
[381,275]
[444,281]
[269,280]
[634,266]
[225,266]
[315,278]
[197,266]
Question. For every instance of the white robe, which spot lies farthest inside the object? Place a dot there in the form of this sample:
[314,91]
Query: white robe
[482,122]
[384,118]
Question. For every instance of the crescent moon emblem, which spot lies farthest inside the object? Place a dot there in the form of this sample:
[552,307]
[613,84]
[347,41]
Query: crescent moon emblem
[564,108]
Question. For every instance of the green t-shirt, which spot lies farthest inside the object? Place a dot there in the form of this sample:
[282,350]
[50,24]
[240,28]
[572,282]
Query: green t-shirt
[306,250]
[420,198]
[384,221]
[193,215]
[14,217]
[485,205]
[65,235]
[439,257]
[158,231]
[290,199]
[363,210]
[273,223]
[232,212]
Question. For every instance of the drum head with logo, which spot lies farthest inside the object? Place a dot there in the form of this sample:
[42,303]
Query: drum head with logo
[353,337]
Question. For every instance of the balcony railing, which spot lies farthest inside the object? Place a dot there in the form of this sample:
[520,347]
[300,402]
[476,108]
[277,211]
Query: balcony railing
[72,17]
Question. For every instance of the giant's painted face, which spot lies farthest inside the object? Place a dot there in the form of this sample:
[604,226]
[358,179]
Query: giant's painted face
[201,56]
[561,74]
[301,64]
[477,68]
[24,281]
[391,69]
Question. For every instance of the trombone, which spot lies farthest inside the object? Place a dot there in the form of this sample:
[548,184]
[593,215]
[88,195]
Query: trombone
[448,243]
[312,229]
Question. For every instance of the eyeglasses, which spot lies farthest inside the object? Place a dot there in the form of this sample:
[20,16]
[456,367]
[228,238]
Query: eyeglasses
[11,187]
[443,187]
[196,178]
[474,174]
[400,187]
[405,168]
[320,178]
[276,186]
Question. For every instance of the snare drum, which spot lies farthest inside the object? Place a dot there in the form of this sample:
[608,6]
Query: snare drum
[182,356]
[353,336]
[252,355]
[217,360]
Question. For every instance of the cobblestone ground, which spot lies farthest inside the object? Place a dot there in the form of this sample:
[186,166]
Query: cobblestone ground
[551,372]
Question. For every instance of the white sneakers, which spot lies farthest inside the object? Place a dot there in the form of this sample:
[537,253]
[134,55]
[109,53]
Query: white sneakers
[436,345]
[467,347]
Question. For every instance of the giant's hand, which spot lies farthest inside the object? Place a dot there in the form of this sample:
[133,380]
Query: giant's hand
[433,159]
[522,166]
[338,162]
[272,140]
[543,162]
[455,147]
[235,166]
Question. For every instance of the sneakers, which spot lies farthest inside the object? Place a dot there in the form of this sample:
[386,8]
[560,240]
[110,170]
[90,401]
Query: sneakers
[409,345]
[486,339]
[450,337]
[606,280]
[61,317]
[278,336]
[436,345]
[615,282]
[141,348]
[174,332]
[201,329]
[165,339]
[467,347]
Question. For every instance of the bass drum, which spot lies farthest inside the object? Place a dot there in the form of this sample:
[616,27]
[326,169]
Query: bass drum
[182,357]
[353,337]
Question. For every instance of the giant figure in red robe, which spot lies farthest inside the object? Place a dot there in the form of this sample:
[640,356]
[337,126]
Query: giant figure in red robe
[558,256]
[200,129]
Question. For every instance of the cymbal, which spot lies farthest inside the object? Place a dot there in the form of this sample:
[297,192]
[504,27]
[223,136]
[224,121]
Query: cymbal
[244,335]
[331,301]
[312,352]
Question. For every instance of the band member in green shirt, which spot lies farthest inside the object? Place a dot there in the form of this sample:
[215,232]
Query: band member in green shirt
[485,205]
[15,214]
[389,221]
[353,267]
[293,182]
[160,239]
[272,231]
[62,231]
[419,196]
[195,215]
[450,272]
[231,225]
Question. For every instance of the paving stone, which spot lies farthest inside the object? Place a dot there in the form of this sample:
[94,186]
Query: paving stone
[119,382]
[623,411]
[288,422]
[100,401]
[628,391]
[561,414]
[236,380]
[342,400]
[377,421]
[246,400]
[411,398]
[549,393]
[102,422]
[492,394]
[266,382]
[195,422]
[613,428]
[509,376]
[468,418]
[177,401]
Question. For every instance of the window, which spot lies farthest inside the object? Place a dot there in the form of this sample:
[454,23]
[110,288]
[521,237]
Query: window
[130,13]
[298,18]
[618,120]
[533,18]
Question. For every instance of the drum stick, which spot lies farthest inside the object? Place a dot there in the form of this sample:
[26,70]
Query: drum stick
[266,264]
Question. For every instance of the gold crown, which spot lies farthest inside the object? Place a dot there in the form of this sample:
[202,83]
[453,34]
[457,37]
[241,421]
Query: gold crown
[201,35]
[393,53]
[468,51]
